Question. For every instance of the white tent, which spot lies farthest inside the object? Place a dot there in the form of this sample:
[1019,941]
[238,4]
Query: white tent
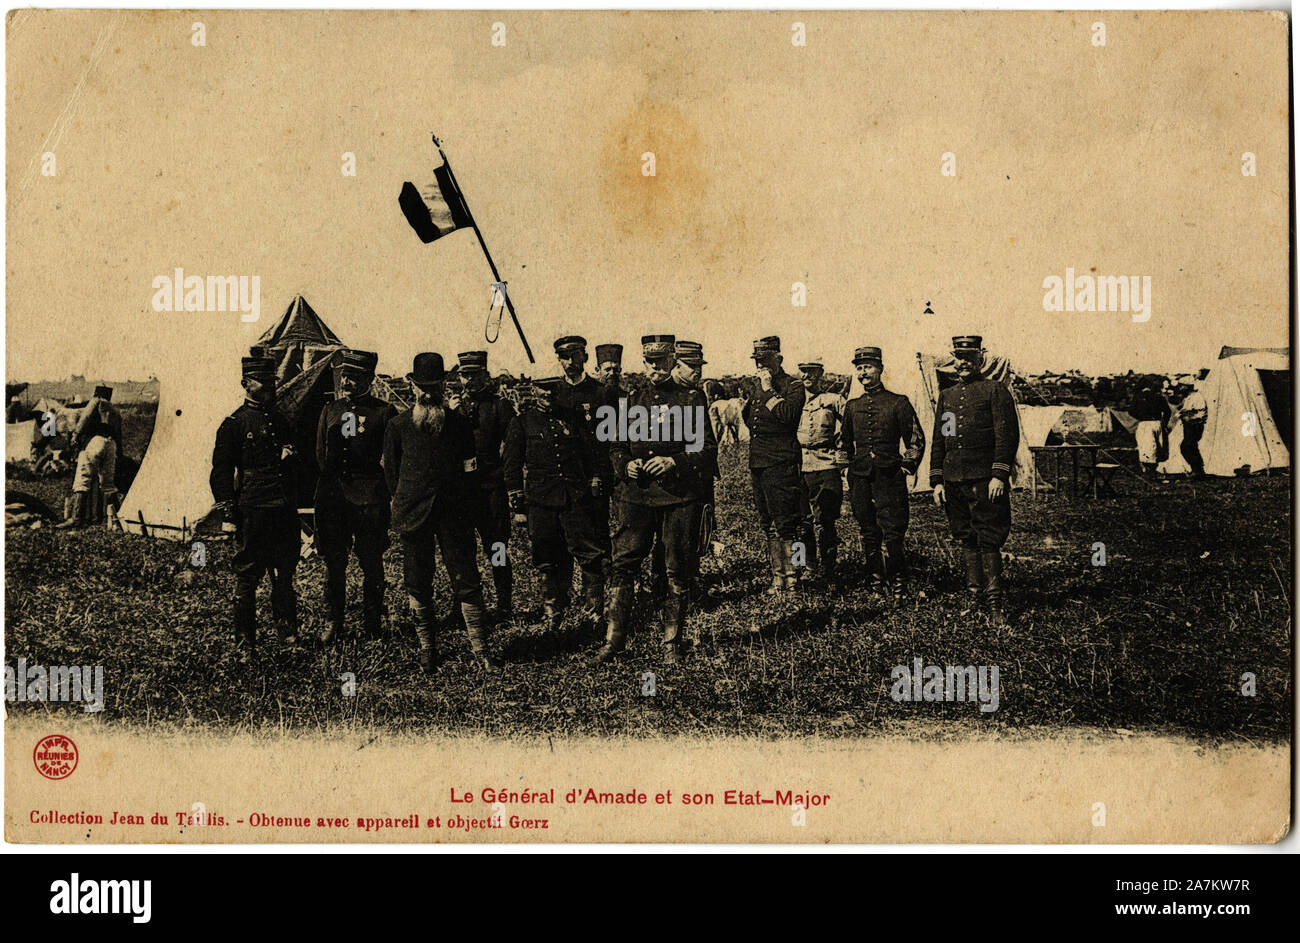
[919,381]
[18,440]
[1241,428]
[198,389]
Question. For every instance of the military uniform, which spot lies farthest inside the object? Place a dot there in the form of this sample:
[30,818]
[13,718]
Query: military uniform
[491,416]
[667,506]
[254,448]
[774,461]
[432,480]
[820,473]
[875,424]
[565,521]
[352,495]
[983,436]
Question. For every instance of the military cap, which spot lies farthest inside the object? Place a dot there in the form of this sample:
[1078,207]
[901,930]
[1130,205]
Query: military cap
[867,355]
[472,360]
[427,370]
[548,384]
[570,342]
[363,361]
[609,353]
[258,368]
[967,344]
[766,345]
[658,345]
[812,366]
[103,392]
[691,353]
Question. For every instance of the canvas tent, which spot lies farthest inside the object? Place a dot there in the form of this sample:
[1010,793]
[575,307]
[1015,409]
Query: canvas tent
[1248,418]
[18,440]
[921,379]
[170,494]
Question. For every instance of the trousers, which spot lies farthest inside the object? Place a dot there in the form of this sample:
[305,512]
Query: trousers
[977,522]
[777,497]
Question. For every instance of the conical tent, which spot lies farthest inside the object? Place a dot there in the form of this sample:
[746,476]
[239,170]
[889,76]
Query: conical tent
[1248,415]
[921,378]
[170,496]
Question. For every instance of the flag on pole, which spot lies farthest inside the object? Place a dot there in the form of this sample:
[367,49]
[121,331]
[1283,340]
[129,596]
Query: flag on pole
[435,207]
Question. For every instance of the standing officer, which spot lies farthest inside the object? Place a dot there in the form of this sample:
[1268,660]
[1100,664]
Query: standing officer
[98,437]
[875,425]
[582,396]
[775,457]
[976,434]
[255,483]
[351,494]
[821,468]
[609,367]
[662,487]
[1193,414]
[491,415]
[430,466]
[689,374]
[557,499]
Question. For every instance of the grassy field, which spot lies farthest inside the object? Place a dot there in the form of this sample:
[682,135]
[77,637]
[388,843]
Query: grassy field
[1195,592]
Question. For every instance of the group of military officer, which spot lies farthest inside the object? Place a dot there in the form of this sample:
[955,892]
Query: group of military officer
[463,462]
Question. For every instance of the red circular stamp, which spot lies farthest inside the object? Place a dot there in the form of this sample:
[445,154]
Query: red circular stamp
[55,756]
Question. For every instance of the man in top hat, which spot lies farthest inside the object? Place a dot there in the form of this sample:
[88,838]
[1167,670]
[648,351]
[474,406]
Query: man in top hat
[557,498]
[775,457]
[884,444]
[98,435]
[430,467]
[976,434]
[609,367]
[490,414]
[351,493]
[821,468]
[662,488]
[255,483]
[583,396]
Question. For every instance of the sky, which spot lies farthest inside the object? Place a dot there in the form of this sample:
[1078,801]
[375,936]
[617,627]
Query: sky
[774,164]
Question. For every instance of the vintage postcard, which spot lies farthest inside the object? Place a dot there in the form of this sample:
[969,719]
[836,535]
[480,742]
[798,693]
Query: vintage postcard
[765,427]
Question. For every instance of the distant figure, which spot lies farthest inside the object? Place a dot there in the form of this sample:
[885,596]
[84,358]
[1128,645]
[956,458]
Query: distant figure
[1152,412]
[728,423]
[1193,415]
[15,411]
[98,434]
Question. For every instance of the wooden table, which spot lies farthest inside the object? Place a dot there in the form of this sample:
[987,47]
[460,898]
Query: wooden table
[1091,469]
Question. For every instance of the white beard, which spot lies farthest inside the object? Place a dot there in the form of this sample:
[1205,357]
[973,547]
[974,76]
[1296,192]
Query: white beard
[429,418]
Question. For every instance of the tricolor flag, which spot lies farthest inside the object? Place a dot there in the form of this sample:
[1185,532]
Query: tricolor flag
[435,207]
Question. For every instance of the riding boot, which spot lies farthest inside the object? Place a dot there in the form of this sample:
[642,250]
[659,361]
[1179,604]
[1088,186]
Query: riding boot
[245,619]
[658,571]
[552,601]
[875,565]
[674,621]
[426,633]
[473,615]
[789,576]
[335,601]
[111,503]
[620,602]
[974,575]
[992,560]
[895,566]
[503,581]
[774,564]
[830,572]
[80,513]
[286,630]
[593,597]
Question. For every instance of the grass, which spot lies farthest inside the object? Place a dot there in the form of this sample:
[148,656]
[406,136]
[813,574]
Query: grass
[1195,592]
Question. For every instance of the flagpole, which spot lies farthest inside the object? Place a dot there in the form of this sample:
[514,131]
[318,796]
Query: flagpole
[496,276]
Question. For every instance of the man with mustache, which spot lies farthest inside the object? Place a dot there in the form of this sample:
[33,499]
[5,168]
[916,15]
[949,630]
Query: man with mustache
[821,470]
[661,491]
[976,434]
[351,494]
[876,424]
[254,482]
[557,496]
[430,467]
[609,368]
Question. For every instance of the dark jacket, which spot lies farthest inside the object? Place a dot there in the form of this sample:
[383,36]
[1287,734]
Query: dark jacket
[692,477]
[985,434]
[584,399]
[491,415]
[99,417]
[774,423]
[422,469]
[557,454]
[350,468]
[247,463]
[874,425]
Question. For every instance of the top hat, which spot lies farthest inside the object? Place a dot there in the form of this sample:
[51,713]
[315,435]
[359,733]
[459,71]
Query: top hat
[691,353]
[766,345]
[658,345]
[609,353]
[258,368]
[472,360]
[570,342]
[427,370]
[867,355]
[362,361]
